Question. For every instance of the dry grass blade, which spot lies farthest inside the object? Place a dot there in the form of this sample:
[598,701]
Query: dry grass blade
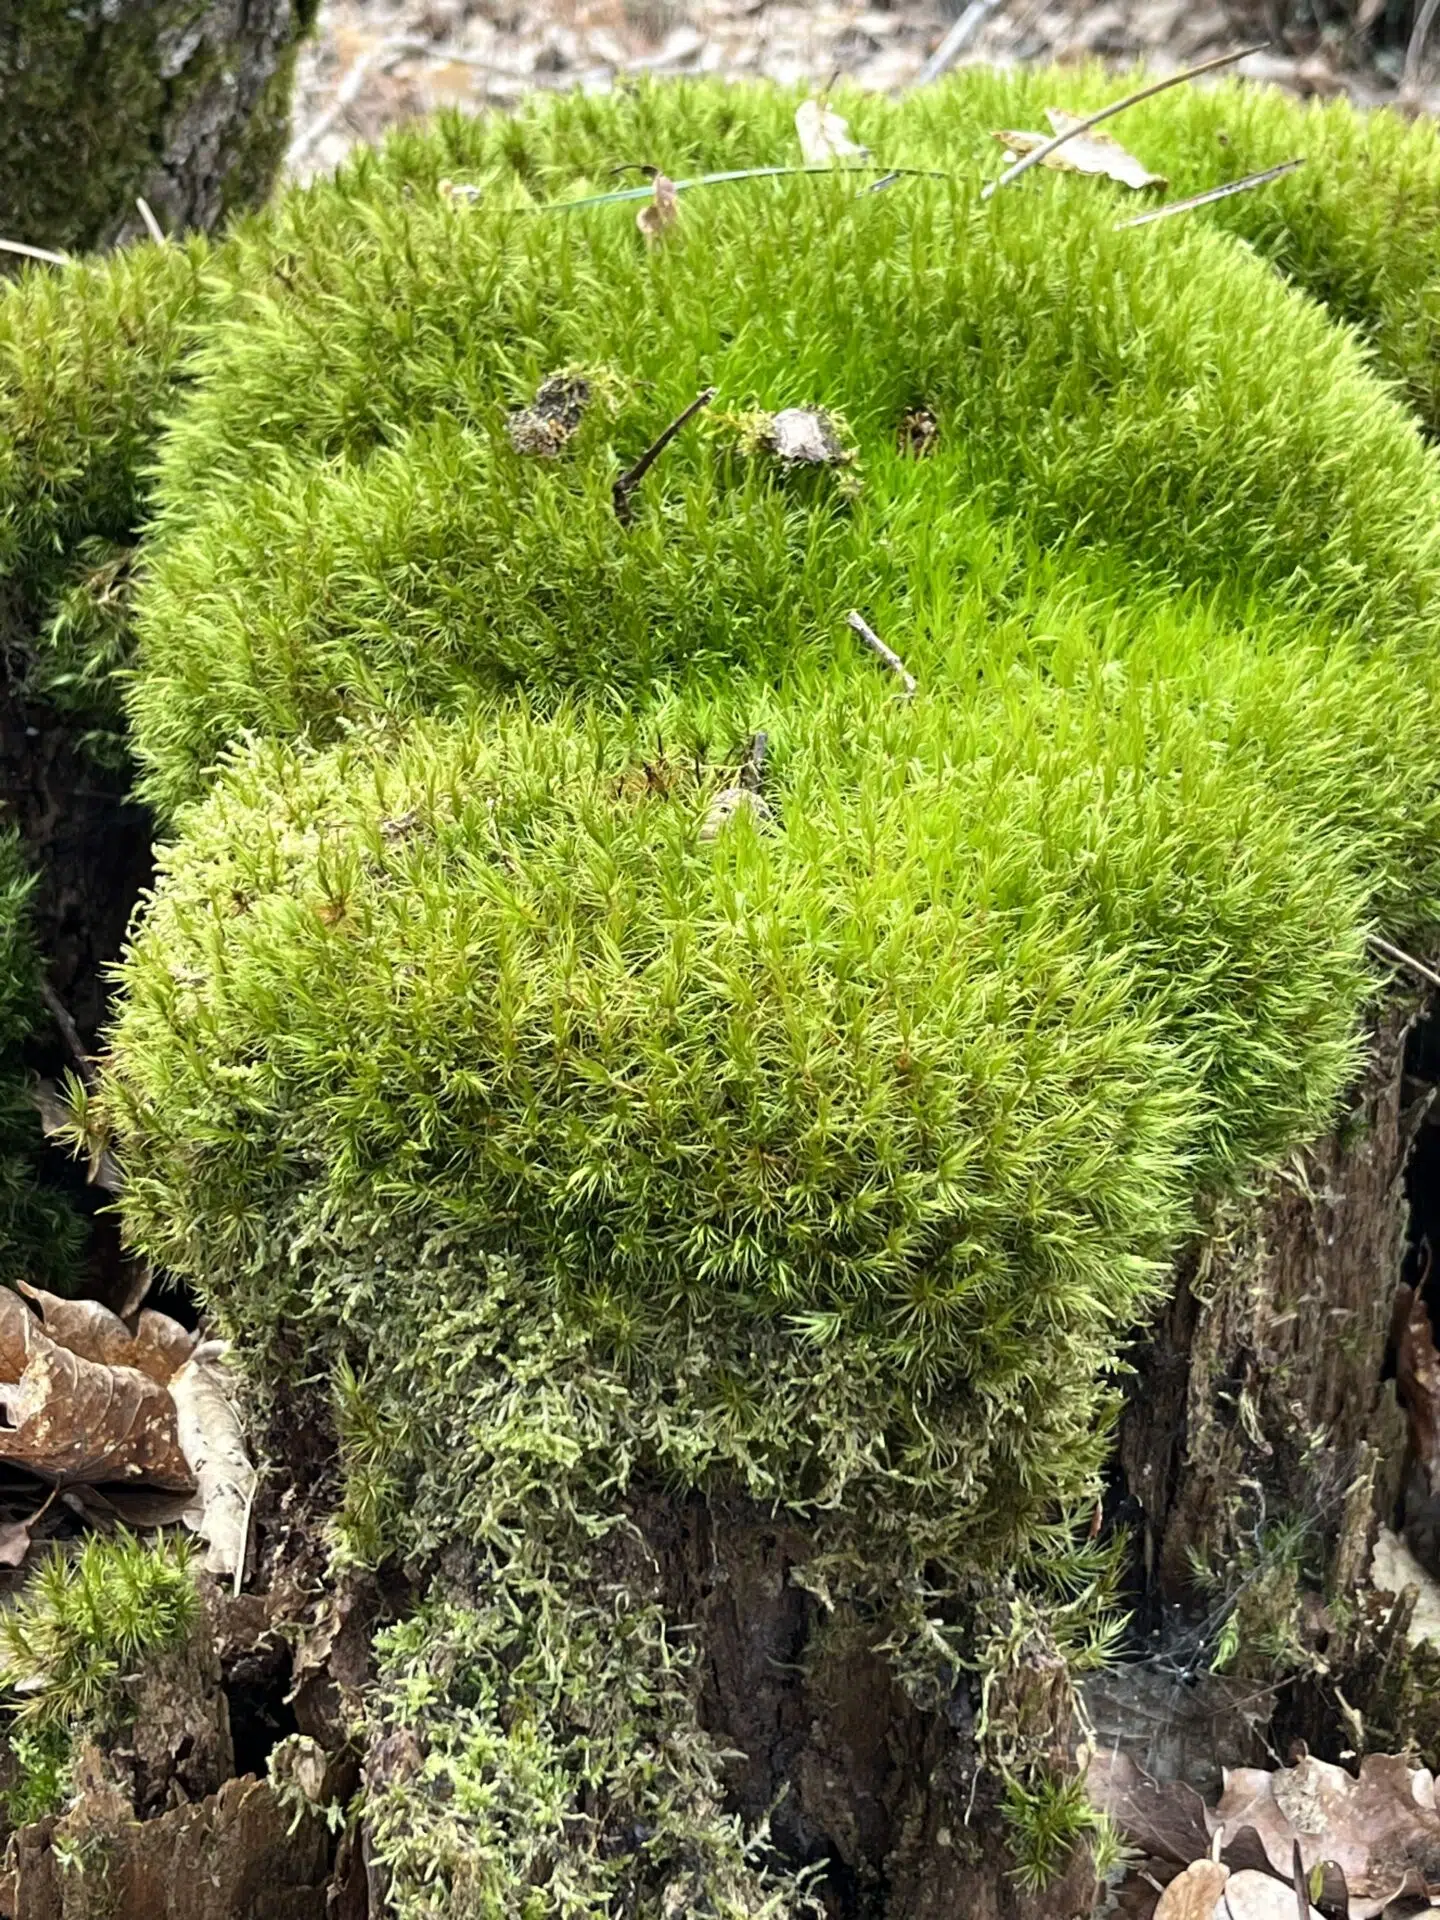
[1398,957]
[958,41]
[35,253]
[1033,158]
[1247,185]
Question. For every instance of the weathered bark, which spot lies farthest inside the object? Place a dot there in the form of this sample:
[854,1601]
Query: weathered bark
[185,102]
[1268,1366]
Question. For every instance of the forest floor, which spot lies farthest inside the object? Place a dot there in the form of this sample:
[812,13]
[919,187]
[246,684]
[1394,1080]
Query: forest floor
[375,63]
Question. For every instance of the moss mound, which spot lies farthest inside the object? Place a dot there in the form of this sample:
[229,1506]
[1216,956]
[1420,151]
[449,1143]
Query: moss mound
[594,1135]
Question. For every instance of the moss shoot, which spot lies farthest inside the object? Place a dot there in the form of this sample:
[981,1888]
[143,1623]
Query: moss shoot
[828,1158]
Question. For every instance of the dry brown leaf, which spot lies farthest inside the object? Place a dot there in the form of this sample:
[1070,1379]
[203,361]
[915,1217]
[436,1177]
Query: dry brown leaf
[660,211]
[825,135]
[729,802]
[1096,153]
[158,1347]
[1192,1895]
[1381,1829]
[1167,1823]
[14,1542]
[213,1443]
[69,1418]
[1260,1896]
[1393,1568]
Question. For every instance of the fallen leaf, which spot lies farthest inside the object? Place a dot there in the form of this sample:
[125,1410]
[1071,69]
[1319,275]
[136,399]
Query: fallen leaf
[69,1418]
[825,135]
[1259,1896]
[1098,153]
[1382,1829]
[661,211]
[158,1347]
[542,429]
[1192,1895]
[803,436]
[213,1444]
[14,1542]
[1167,1823]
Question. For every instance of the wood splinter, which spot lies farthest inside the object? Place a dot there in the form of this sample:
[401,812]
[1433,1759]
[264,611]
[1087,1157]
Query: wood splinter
[631,478]
[888,654]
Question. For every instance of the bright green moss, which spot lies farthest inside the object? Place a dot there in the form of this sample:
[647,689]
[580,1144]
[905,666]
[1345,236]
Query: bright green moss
[89,358]
[828,1161]
[347,445]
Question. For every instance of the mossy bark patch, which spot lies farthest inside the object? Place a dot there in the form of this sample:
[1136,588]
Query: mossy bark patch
[183,102]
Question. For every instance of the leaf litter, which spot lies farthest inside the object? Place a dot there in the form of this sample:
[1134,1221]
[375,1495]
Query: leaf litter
[824,136]
[1097,153]
[90,1401]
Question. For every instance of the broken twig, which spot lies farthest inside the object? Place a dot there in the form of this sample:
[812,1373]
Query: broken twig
[1250,181]
[152,225]
[631,478]
[35,253]
[1047,147]
[60,1014]
[878,647]
[1399,958]
[1415,51]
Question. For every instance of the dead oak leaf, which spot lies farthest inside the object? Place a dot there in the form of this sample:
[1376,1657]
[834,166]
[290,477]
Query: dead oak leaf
[72,1418]
[825,135]
[1381,1829]
[213,1443]
[1095,153]
[158,1345]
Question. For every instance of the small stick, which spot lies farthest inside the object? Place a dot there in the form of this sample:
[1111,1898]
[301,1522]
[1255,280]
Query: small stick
[1047,147]
[878,647]
[1402,959]
[70,1032]
[958,40]
[1250,181]
[152,225]
[631,478]
[35,253]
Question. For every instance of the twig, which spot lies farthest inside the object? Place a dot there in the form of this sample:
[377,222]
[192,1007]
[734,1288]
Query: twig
[1047,147]
[888,654]
[152,225]
[1415,51]
[1297,1873]
[69,1031]
[35,253]
[1400,958]
[1250,181]
[958,40]
[631,478]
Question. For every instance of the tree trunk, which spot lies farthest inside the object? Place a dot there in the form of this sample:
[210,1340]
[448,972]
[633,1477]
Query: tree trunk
[185,102]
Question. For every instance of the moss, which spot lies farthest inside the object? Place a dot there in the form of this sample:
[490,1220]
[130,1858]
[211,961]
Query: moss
[829,1159]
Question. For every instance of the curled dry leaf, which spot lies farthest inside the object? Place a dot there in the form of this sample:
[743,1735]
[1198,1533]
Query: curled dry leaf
[158,1347]
[1097,153]
[212,1441]
[70,1417]
[542,429]
[1167,1823]
[660,211]
[1393,1568]
[825,135]
[1192,1895]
